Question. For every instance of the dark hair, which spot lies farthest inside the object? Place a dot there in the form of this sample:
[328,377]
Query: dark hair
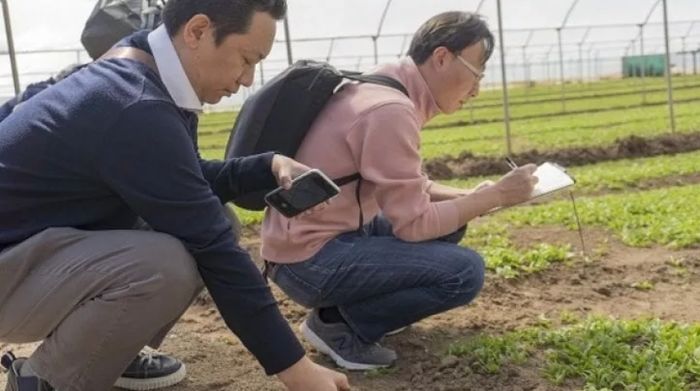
[454,30]
[228,16]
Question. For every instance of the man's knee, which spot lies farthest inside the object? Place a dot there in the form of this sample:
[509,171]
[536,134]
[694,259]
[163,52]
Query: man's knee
[165,259]
[468,280]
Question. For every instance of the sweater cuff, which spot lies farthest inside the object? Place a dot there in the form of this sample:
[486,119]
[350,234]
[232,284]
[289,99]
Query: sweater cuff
[259,168]
[281,349]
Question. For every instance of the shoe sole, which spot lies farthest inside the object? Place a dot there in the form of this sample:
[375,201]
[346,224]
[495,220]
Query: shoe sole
[129,383]
[397,331]
[322,347]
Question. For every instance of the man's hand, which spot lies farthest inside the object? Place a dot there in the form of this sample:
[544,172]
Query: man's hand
[516,186]
[285,170]
[306,375]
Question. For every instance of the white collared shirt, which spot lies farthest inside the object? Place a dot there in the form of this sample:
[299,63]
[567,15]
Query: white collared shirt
[171,71]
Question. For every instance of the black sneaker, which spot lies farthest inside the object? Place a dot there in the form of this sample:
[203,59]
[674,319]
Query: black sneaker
[339,342]
[15,382]
[151,371]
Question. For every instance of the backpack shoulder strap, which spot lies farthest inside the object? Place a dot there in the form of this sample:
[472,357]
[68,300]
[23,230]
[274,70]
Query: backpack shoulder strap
[376,79]
[347,179]
[131,53]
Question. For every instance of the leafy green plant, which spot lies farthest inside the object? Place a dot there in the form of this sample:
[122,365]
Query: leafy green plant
[667,216]
[602,353]
[509,261]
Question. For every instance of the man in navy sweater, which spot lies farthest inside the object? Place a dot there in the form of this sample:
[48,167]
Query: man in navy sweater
[113,144]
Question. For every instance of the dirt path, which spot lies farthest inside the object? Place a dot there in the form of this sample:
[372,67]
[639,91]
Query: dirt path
[217,361]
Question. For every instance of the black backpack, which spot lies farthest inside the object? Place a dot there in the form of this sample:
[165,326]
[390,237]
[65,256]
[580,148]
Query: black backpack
[277,117]
[112,20]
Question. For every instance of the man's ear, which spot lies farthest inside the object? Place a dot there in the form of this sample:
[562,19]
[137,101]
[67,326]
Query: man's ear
[195,30]
[440,57]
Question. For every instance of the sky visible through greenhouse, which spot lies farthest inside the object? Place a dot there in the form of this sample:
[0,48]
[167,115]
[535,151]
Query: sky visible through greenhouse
[45,25]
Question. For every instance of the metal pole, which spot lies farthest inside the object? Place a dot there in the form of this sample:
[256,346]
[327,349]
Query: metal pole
[687,34]
[580,62]
[685,71]
[376,50]
[580,53]
[11,46]
[504,81]
[478,7]
[590,65]
[561,72]
[561,54]
[330,50]
[548,64]
[381,20]
[379,31]
[262,73]
[641,50]
[403,45]
[568,13]
[525,78]
[644,62]
[526,67]
[288,39]
[669,82]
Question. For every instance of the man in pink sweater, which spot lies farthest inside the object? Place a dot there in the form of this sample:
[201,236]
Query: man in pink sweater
[365,280]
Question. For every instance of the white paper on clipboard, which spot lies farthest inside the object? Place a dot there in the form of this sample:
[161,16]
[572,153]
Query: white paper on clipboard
[551,178]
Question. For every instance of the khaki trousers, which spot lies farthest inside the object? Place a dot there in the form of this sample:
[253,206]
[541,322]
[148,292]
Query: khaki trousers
[95,299]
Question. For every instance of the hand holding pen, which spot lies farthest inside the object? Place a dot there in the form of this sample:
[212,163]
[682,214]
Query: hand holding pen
[516,186]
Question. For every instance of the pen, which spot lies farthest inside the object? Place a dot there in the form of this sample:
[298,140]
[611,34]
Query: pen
[511,163]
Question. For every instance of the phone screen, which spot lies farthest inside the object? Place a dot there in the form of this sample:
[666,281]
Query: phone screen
[307,191]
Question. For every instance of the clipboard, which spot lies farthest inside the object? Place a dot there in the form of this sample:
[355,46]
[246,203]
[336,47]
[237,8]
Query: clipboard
[551,179]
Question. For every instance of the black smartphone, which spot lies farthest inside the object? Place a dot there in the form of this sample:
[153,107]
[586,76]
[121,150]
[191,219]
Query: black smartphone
[307,191]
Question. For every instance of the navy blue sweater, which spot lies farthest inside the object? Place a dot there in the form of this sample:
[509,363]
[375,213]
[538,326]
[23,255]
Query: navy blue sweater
[107,145]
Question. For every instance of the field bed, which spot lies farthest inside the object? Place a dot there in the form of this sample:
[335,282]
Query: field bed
[622,316]
[467,165]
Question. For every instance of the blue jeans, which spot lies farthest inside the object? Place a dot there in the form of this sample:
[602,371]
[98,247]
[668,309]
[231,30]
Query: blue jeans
[379,282]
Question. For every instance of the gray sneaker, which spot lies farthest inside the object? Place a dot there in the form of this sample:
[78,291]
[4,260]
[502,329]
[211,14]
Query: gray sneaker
[17,382]
[345,348]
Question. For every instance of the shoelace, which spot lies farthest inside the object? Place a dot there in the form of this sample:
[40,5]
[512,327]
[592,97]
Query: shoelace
[147,358]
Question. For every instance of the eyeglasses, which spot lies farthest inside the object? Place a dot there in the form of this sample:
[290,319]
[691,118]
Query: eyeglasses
[477,73]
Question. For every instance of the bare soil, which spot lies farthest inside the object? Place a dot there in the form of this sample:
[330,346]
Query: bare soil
[601,284]
[467,165]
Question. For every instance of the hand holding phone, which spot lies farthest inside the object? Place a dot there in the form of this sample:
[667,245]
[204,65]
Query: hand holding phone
[307,191]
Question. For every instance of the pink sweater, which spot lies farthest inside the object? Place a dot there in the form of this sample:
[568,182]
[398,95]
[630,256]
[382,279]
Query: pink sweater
[373,130]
